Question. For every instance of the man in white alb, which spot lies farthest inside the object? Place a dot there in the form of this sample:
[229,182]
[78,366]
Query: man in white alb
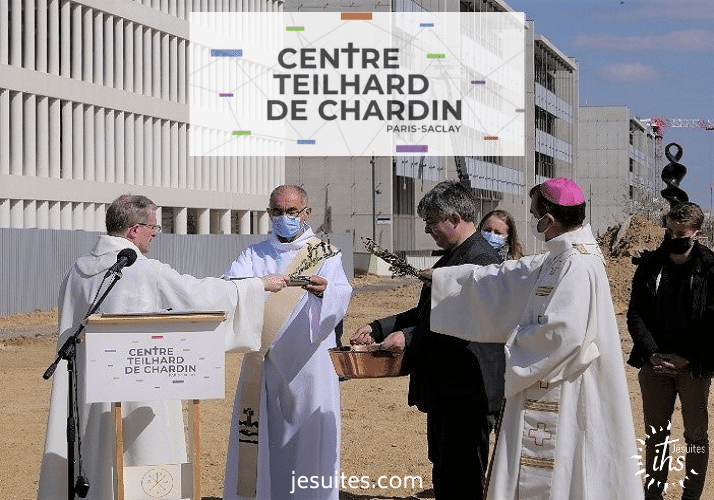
[286,418]
[154,430]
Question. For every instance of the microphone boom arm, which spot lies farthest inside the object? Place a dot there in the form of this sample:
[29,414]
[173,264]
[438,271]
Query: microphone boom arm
[68,348]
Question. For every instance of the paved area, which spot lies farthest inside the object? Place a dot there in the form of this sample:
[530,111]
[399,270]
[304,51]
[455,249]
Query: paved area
[388,284]
[28,331]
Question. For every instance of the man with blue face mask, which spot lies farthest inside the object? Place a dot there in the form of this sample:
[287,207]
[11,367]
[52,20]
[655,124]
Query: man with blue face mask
[288,394]
[288,224]
[567,429]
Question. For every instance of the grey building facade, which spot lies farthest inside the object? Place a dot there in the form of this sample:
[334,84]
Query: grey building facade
[618,167]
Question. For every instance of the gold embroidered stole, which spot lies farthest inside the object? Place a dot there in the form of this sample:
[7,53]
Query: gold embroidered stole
[541,409]
[539,440]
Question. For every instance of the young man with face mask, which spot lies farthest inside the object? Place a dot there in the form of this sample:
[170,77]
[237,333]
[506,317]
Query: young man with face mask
[290,388]
[567,429]
[670,319]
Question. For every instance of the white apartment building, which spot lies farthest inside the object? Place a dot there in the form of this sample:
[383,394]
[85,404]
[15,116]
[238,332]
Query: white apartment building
[94,102]
[94,99]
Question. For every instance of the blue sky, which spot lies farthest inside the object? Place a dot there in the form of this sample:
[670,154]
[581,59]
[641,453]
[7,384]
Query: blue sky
[654,56]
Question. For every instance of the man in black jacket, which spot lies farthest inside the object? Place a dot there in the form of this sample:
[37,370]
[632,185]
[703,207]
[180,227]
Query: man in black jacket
[446,377]
[671,321]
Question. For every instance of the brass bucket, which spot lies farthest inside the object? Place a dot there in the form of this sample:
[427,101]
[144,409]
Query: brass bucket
[367,361]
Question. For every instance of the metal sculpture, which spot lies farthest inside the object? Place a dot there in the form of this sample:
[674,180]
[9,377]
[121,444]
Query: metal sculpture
[672,175]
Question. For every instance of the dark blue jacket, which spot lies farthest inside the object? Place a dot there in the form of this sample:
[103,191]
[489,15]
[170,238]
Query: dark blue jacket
[446,373]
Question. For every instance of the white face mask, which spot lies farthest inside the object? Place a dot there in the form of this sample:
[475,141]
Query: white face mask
[533,224]
[286,226]
[495,240]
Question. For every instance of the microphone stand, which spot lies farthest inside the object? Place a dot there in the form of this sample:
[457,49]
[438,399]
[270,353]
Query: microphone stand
[68,352]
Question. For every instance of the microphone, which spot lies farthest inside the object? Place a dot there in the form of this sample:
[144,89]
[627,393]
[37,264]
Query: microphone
[81,487]
[125,258]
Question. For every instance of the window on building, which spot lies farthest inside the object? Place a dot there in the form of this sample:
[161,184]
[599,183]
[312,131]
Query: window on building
[167,220]
[544,165]
[544,121]
[496,160]
[632,165]
[403,198]
[543,74]
[192,221]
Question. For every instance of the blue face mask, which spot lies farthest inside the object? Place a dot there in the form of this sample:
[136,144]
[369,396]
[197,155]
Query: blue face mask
[286,226]
[495,240]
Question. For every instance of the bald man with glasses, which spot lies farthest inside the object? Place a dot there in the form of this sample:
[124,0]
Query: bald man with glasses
[297,402]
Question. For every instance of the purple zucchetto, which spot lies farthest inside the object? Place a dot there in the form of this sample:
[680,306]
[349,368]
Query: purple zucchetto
[562,191]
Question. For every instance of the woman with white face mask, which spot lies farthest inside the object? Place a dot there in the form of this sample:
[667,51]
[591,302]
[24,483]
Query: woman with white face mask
[499,229]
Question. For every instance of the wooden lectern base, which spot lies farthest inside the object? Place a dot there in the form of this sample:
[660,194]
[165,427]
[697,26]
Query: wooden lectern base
[193,468]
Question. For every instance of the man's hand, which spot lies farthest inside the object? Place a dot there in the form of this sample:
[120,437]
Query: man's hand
[363,335]
[668,364]
[274,282]
[425,276]
[394,341]
[317,285]
[679,362]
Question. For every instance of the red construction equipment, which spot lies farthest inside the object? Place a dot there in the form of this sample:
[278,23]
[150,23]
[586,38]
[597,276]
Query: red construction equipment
[658,123]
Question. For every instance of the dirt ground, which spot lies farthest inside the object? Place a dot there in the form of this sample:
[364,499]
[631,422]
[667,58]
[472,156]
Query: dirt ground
[381,435]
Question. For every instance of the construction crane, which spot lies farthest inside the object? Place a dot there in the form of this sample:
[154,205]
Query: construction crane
[658,123]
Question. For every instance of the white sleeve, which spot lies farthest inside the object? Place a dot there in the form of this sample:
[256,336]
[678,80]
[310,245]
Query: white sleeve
[247,317]
[482,303]
[242,266]
[243,302]
[333,305]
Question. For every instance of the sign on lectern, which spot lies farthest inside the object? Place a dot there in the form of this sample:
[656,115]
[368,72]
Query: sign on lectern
[155,356]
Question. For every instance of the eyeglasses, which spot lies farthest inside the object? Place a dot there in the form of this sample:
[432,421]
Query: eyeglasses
[293,213]
[155,227]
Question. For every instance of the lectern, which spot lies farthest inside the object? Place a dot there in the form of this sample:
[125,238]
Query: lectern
[155,356]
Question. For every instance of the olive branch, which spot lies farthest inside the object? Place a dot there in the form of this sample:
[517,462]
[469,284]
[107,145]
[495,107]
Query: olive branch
[315,253]
[397,265]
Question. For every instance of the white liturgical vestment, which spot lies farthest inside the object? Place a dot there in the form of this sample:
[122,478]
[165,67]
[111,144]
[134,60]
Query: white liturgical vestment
[567,431]
[299,390]
[153,431]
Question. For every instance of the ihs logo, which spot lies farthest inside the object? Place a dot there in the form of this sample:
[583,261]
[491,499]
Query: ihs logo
[662,457]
